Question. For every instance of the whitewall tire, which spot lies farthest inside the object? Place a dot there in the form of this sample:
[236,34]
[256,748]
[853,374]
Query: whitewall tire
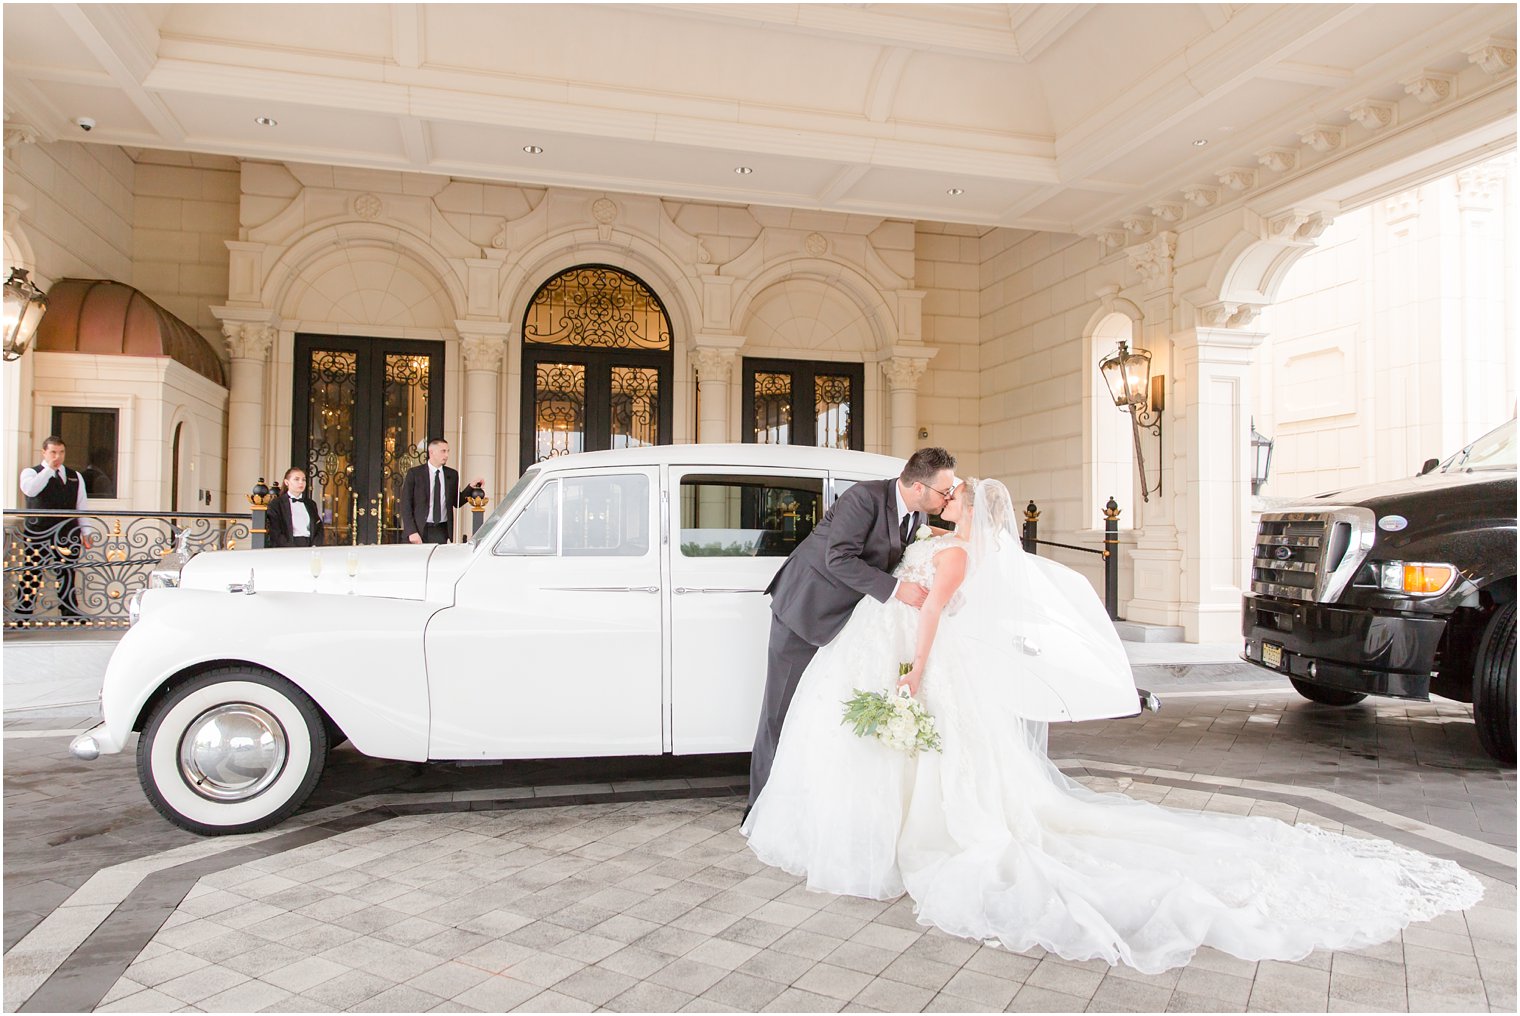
[234,750]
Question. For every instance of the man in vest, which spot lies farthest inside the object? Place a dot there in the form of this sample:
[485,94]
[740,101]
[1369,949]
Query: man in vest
[51,543]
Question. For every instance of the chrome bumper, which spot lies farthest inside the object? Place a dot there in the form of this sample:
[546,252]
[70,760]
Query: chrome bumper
[93,743]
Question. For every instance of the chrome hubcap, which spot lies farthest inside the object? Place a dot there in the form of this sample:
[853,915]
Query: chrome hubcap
[232,752]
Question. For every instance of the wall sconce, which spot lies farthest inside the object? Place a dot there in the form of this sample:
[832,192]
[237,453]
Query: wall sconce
[1128,375]
[24,305]
[1261,458]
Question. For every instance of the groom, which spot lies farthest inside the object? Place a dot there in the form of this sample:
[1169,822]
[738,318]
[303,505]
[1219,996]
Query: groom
[850,554]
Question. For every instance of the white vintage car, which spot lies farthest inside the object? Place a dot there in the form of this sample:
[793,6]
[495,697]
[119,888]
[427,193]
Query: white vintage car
[611,605]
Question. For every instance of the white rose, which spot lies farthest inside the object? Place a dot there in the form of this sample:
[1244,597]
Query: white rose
[923,533]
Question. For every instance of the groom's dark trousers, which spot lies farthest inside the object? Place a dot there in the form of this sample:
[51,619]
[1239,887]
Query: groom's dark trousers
[850,554]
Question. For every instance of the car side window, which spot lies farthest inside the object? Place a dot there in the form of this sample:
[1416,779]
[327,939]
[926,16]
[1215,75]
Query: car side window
[744,515]
[583,516]
[535,533]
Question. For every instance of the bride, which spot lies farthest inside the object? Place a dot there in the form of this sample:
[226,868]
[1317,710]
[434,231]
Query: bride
[988,837]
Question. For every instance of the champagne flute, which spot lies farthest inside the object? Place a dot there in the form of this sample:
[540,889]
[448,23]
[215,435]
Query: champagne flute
[353,569]
[316,569]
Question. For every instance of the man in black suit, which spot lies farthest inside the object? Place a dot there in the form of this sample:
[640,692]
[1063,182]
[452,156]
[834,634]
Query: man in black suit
[51,543]
[850,554]
[429,494]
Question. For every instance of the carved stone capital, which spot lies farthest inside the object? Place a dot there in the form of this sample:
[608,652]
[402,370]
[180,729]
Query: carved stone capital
[1278,160]
[1226,314]
[1322,137]
[1494,56]
[1297,225]
[713,364]
[20,134]
[1168,211]
[1372,113]
[1478,185]
[1154,259]
[904,372]
[1237,178]
[1430,87]
[483,352]
[1200,196]
[248,341]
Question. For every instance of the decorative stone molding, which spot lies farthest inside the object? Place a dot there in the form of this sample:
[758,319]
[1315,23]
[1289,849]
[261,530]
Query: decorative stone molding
[1297,225]
[1237,178]
[1322,137]
[704,256]
[499,241]
[1278,160]
[1372,114]
[816,244]
[483,352]
[1226,314]
[1109,240]
[1168,211]
[1494,56]
[1477,185]
[712,364]
[1402,206]
[604,211]
[1154,259]
[1430,87]
[24,134]
[904,372]
[367,206]
[1136,224]
[248,341]
[1200,196]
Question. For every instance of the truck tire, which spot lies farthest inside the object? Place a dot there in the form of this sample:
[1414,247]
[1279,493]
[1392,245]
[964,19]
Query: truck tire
[1326,696]
[1494,686]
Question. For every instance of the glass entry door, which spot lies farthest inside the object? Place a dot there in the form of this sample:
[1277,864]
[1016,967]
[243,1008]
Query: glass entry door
[364,411]
[800,402]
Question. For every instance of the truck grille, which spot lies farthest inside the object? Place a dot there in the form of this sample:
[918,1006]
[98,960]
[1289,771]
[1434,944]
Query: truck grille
[1310,555]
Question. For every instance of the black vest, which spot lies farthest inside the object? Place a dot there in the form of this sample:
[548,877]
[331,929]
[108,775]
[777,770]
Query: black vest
[57,493]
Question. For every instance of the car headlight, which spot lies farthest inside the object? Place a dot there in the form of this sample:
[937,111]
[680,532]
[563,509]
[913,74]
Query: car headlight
[1415,578]
[163,578]
[134,608]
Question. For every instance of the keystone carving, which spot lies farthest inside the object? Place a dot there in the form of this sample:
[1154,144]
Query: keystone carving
[248,341]
[1372,114]
[1154,259]
[1322,137]
[1227,314]
[366,206]
[604,211]
[1278,160]
[816,244]
[1430,87]
[483,352]
[904,372]
[1494,56]
[1238,178]
[1201,196]
[1167,211]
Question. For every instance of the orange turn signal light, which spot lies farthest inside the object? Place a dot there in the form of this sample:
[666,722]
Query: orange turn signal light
[1427,578]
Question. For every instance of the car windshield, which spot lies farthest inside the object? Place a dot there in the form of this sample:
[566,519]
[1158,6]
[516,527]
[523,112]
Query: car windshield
[1494,450]
[491,524]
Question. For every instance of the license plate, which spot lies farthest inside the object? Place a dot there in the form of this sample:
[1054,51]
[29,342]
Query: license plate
[1271,655]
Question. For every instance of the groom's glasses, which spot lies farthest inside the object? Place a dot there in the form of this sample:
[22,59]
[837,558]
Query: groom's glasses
[946,494]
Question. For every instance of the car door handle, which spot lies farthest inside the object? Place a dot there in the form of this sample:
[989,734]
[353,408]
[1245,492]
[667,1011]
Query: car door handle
[682,590]
[603,589]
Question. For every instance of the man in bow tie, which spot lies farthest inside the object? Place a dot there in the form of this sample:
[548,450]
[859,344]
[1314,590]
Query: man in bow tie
[850,554]
[51,543]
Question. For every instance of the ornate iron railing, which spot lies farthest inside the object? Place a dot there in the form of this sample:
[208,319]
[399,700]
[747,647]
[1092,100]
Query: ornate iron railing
[67,569]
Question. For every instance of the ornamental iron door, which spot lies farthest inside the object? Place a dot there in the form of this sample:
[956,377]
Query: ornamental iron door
[364,412]
[798,402]
[596,365]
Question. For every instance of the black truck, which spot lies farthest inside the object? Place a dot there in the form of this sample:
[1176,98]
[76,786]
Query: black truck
[1404,589]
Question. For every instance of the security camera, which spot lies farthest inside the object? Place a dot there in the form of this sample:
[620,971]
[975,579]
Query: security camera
[86,123]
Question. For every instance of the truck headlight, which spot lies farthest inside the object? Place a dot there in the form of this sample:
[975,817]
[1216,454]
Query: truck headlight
[134,608]
[1415,578]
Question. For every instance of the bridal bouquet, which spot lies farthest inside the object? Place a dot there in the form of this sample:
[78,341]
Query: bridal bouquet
[894,718]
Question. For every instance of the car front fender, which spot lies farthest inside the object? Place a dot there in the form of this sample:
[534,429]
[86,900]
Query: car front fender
[359,658]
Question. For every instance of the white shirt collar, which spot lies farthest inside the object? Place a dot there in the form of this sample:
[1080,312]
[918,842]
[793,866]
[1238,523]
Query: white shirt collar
[902,506]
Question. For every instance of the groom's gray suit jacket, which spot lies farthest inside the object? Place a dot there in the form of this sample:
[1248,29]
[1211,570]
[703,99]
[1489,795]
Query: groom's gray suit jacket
[850,554]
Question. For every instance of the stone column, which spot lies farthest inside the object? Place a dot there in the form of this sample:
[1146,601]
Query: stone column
[903,374]
[715,372]
[483,349]
[248,344]
[1473,397]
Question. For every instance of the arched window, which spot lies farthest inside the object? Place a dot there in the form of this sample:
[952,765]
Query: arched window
[596,364]
[1113,441]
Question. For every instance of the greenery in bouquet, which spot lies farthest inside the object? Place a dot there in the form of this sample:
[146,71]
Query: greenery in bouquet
[896,719]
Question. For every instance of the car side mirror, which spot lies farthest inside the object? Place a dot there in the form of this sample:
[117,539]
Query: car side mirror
[1429,465]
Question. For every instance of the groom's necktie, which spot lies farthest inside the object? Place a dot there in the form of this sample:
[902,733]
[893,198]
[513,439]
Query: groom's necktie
[907,526]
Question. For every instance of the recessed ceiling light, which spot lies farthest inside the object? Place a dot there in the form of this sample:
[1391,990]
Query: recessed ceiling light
[1200,142]
[743,170]
[533,150]
[266,121]
[955,192]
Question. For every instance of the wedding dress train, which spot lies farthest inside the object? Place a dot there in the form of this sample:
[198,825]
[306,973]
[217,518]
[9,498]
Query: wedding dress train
[994,843]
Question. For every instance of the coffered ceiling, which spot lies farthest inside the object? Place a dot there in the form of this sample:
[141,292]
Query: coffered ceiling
[1040,116]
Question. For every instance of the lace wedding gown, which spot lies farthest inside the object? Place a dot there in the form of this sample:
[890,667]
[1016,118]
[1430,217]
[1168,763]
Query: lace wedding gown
[994,843]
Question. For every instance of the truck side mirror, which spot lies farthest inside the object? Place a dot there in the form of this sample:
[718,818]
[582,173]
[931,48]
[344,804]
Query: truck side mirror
[1429,465]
